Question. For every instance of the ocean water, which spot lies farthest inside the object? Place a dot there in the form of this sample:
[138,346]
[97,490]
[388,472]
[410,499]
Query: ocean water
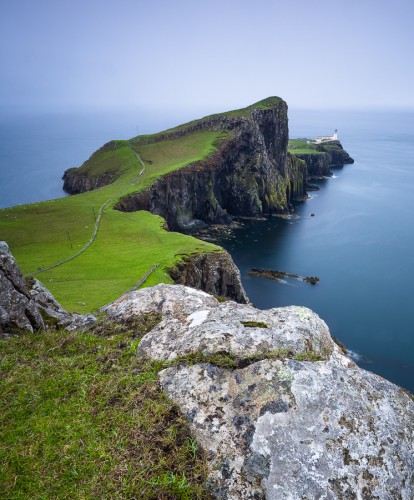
[360,241]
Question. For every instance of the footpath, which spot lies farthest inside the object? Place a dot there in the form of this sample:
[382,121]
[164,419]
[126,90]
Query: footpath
[96,227]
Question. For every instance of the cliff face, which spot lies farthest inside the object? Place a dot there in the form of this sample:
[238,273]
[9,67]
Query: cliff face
[214,273]
[331,154]
[251,174]
[87,177]
[75,183]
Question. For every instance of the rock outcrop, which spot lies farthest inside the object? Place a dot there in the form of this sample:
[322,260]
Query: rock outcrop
[75,182]
[294,417]
[25,304]
[86,178]
[250,174]
[214,273]
[18,310]
[329,155]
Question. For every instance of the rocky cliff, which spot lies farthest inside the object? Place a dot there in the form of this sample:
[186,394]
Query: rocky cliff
[250,174]
[329,154]
[214,273]
[25,304]
[75,182]
[18,310]
[85,178]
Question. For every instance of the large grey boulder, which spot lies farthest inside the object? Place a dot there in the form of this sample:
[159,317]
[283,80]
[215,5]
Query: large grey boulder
[241,331]
[280,427]
[18,310]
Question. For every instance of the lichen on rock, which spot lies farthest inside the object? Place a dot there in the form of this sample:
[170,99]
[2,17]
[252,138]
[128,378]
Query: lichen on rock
[280,427]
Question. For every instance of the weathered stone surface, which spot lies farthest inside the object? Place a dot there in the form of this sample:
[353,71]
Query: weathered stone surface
[241,331]
[17,308]
[172,301]
[289,429]
[214,273]
[46,301]
[280,427]
[28,305]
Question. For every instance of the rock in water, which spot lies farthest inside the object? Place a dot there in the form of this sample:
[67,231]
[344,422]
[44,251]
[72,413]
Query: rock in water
[17,308]
[278,426]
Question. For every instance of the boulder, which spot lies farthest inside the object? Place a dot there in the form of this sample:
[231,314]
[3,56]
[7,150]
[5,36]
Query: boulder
[295,419]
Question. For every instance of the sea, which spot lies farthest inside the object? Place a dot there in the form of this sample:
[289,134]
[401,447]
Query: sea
[356,234]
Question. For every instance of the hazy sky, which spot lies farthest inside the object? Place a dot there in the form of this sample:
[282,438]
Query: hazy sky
[207,55]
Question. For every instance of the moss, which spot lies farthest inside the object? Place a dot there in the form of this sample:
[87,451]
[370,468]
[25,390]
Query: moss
[136,327]
[230,361]
[221,298]
[341,345]
[254,324]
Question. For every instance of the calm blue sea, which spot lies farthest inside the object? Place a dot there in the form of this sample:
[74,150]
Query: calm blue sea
[360,242]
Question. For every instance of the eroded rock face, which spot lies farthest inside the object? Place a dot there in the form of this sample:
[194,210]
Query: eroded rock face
[17,308]
[212,272]
[280,427]
[331,154]
[75,183]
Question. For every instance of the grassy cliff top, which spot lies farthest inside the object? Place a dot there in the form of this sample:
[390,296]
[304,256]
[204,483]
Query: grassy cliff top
[83,417]
[127,245]
[303,146]
[264,104]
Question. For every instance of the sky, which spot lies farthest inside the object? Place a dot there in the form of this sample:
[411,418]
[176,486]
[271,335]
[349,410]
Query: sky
[207,55]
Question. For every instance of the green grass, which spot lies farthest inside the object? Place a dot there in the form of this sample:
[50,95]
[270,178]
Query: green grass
[127,244]
[301,146]
[82,417]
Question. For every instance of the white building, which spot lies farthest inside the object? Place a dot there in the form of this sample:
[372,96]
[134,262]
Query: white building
[326,138]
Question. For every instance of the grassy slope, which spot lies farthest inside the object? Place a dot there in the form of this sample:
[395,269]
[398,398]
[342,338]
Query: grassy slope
[82,417]
[127,244]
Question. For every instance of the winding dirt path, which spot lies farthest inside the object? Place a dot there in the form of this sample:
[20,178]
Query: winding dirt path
[97,222]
